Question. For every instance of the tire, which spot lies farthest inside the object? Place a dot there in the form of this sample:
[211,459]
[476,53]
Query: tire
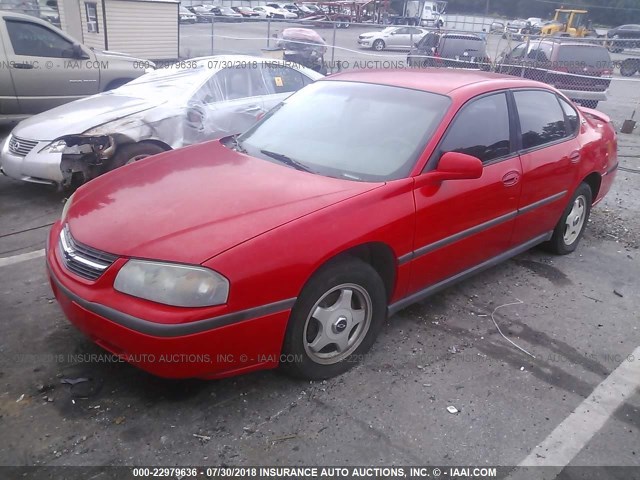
[327,293]
[133,152]
[378,45]
[629,67]
[572,223]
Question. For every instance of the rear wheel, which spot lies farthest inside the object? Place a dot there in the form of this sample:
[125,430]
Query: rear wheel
[571,225]
[629,67]
[335,320]
[378,45]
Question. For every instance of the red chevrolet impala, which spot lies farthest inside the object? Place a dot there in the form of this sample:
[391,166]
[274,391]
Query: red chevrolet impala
[292,243]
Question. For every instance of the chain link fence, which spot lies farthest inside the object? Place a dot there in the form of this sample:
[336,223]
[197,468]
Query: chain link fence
[593,71]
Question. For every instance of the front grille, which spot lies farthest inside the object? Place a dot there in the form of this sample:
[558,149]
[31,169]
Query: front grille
[20,146]
[82,260]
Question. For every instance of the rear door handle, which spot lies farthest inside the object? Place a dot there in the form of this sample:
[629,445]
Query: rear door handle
[23,66]
[574,157]
[511,178]
[253,108]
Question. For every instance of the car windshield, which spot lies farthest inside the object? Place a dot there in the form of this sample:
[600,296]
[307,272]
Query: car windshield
[165,83]
[357,131]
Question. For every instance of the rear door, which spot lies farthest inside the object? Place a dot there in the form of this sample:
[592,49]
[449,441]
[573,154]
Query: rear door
[550,155]
[44,72]
[230,102]
[462,223]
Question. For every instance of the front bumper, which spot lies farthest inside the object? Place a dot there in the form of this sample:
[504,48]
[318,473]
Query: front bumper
[34,167]
[222,346]
[366,42]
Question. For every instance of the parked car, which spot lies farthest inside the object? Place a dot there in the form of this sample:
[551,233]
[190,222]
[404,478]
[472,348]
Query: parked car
[226,14]
[394,187]
[517,29]
[49,14]
[300,10]
[497,27]
[535,21]
[402,37]
[265,12]
[582,71]
[246,12]
[203,13]
[45,67]
[280,12]
[453,50]
[624,36]
[198,100]
[186,16]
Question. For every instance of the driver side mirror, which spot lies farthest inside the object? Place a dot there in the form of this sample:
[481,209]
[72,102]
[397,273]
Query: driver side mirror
[457,166]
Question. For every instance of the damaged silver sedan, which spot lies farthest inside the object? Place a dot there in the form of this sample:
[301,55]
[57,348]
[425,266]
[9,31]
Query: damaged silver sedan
[191,102]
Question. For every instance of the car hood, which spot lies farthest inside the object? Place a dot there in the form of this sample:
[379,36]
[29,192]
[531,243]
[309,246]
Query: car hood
[192,204]
[81,115]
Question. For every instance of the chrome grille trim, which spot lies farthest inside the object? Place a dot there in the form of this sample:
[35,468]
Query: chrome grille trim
[83,260]
[20,146]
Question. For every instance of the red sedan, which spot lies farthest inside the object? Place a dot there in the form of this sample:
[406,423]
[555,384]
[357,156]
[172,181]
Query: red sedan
[292,243]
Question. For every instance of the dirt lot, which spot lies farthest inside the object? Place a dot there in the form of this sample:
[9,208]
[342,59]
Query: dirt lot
[578,317]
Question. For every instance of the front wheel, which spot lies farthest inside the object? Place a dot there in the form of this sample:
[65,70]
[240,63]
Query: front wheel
[571,225]
[378,45]
[133,152]
[335,320]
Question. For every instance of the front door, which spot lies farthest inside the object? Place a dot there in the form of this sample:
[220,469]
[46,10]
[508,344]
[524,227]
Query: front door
[43,69]
[550,158]
[462,223]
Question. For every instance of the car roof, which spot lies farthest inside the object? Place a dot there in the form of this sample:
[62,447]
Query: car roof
[443,81]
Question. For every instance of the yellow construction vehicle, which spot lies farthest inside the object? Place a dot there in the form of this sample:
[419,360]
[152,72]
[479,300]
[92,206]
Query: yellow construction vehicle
[568,23]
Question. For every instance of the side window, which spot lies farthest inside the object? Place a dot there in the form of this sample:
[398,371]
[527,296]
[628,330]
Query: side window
[240,82]
[573,119]
[36,40]
[481,129]
[541,118]
[210,92]
[282,79]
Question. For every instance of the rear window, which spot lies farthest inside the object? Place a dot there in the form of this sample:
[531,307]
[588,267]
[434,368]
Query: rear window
[450,47]
[587,55]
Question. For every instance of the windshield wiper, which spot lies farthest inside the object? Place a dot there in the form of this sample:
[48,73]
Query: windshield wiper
[287,160]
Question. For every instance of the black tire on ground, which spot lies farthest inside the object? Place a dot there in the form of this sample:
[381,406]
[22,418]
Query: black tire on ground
[629,67]
[378,45]
[348,273]
[133,152]
[558,243]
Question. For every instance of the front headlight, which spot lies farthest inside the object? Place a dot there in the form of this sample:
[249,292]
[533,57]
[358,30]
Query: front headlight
[57,146]
[65,209]
[172,284]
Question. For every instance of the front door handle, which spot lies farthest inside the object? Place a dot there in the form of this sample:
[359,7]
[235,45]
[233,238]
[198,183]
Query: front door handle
[23,66]
[511,178]
[253,108]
